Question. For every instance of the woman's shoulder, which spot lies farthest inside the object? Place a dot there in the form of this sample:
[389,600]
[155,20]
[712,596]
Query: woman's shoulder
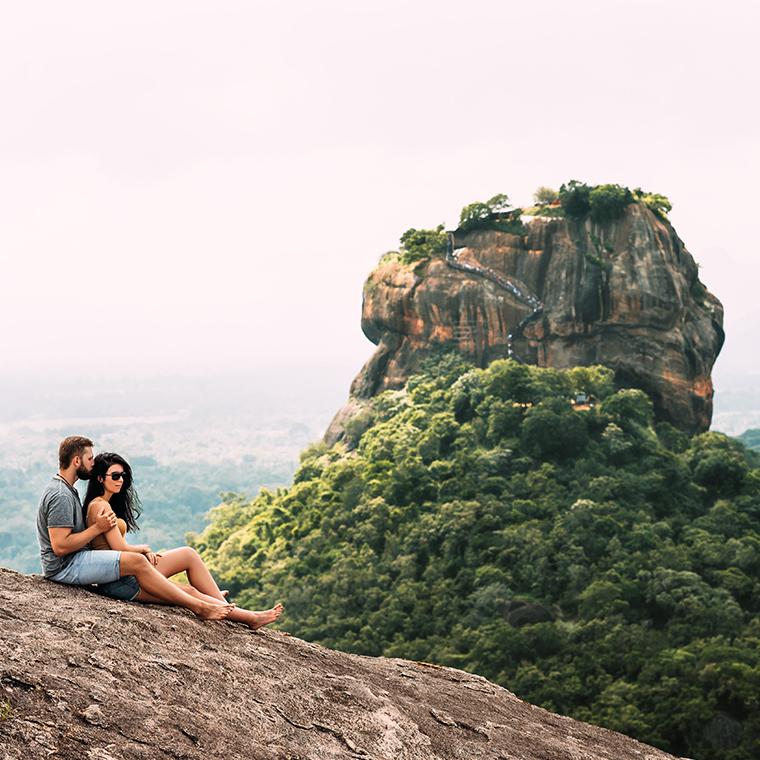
[97,502]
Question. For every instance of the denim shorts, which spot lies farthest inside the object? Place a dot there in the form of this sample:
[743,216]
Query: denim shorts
[101,567]
[126,588]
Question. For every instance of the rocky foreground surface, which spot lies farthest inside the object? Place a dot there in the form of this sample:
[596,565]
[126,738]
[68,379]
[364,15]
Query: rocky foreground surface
[623,293]
[88,677]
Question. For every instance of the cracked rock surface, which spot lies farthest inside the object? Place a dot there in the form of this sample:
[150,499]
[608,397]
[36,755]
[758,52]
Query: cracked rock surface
[87,677]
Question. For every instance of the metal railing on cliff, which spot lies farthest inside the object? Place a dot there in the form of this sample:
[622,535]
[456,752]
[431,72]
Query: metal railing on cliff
[503,282]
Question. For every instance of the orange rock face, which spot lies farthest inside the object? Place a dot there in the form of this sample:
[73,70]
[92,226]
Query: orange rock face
[624,294]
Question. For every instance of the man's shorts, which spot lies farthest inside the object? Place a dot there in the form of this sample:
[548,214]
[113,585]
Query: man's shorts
[101,567]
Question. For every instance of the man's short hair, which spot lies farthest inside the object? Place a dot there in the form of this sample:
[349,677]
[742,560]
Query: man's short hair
[71,447]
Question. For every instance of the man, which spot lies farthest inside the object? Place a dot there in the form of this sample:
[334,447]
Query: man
[64,542]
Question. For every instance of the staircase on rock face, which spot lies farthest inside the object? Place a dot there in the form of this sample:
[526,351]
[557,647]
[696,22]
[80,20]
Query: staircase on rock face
[504,282]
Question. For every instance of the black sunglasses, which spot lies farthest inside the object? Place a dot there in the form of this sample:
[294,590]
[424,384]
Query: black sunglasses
[116,475]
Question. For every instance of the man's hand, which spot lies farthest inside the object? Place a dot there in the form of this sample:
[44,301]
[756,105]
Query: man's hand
[145,549]
[105,520]
[140,548]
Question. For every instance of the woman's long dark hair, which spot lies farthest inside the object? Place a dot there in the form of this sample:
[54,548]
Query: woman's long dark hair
[125,504]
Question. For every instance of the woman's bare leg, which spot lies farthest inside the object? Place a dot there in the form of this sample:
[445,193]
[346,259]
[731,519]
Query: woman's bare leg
[255,619]
[186,559]
[157,586]
[144,596]
[252,619]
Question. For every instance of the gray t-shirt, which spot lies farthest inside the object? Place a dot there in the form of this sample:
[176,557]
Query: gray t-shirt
[59,508]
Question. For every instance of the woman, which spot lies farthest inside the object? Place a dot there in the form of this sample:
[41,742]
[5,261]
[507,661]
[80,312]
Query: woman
[111,484]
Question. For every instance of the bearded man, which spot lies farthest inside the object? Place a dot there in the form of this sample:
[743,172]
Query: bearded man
[61,530]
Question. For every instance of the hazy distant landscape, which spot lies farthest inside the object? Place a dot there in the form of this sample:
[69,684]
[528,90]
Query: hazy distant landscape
[188,440]
[737,402]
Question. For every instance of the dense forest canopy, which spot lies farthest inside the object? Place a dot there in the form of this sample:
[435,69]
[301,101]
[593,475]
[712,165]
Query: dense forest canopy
[470,495]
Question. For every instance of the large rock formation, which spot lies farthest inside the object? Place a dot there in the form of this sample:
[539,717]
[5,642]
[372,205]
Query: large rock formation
[89,677]
[623,293]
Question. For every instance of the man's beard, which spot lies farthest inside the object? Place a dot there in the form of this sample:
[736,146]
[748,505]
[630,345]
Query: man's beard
[83,474]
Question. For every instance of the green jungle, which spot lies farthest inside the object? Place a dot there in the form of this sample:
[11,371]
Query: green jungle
[472,495]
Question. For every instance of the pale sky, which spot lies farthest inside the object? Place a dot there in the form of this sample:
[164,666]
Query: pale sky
[202,187]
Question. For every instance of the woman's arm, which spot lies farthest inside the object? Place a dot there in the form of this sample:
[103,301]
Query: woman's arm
[113,536]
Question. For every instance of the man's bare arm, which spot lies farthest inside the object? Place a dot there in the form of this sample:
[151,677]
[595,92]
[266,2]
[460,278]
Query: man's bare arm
[64,541]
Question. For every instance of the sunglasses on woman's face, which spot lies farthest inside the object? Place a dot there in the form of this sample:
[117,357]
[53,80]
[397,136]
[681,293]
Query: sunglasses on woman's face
[116,475]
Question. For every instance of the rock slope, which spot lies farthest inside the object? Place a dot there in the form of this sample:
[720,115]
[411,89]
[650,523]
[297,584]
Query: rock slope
[89,677]
[624,294]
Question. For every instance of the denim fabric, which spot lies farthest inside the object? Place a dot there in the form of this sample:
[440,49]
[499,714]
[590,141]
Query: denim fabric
[87,567]
[126,588]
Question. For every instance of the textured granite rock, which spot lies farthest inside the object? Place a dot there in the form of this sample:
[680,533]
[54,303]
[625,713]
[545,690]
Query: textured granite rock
[623,294]
[91,678]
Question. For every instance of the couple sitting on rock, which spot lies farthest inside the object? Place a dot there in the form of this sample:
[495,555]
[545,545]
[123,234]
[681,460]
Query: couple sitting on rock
[85,545]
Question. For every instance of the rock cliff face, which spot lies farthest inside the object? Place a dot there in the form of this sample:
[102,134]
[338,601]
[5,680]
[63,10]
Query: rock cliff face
[89,677]
[624,294]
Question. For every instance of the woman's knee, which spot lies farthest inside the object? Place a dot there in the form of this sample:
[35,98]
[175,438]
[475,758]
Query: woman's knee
[190,555]
[178,560]
[185,552]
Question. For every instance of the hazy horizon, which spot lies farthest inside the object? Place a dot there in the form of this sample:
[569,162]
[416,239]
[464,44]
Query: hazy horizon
[201,188]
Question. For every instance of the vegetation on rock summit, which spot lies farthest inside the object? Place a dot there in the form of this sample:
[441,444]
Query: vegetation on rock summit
[576,200]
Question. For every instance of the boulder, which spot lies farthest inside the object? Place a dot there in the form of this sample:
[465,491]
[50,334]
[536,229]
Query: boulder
[88,677]
[624,294]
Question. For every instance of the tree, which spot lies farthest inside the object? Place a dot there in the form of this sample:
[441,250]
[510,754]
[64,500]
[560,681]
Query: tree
[593,381]
[421,244]
[629,406]
[479,216]
[574,196]
[553,430]
[655,202]
[608,202]
[545,195]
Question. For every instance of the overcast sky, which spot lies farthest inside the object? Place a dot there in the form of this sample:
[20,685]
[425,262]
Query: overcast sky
[202,187]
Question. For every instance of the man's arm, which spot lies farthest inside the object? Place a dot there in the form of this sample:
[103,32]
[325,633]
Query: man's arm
[64,541]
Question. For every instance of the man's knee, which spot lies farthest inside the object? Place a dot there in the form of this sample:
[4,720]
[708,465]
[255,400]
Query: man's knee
[132,563]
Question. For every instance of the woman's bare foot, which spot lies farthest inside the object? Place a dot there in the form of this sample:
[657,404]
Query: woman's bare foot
[225,593]
[259,619]
[214,611]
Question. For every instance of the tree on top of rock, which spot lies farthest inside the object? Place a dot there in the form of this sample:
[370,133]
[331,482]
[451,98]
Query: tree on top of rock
[487,216]
[421,244]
